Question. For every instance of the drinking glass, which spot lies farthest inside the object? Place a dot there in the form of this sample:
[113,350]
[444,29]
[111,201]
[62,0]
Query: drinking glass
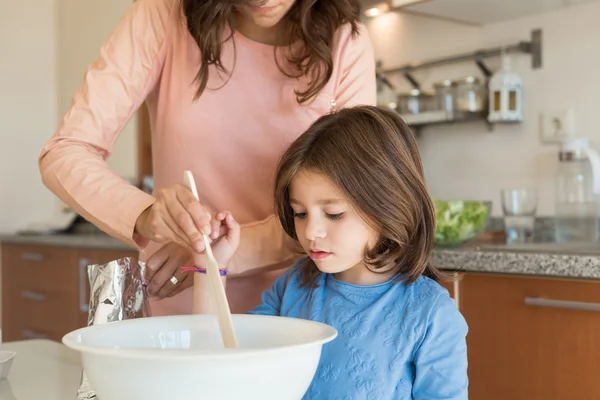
[519,207]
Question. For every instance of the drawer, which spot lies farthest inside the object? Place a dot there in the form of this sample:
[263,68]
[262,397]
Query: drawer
[45,289]
[40,267]
[29,317]
[531,338]
[537,296]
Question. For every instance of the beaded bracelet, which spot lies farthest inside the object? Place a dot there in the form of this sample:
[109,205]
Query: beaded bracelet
[187,268]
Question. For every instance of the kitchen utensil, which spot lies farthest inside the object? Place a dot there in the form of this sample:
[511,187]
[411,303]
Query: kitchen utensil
[217,290]
[181,357]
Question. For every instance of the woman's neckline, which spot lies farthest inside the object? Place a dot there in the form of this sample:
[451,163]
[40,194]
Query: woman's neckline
[237,35]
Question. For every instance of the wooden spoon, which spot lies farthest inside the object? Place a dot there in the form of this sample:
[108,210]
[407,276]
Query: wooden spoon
[217,290]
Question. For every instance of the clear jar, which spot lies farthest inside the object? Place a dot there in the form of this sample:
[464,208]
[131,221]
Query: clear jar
[470,94]
[445,93]
[414,102]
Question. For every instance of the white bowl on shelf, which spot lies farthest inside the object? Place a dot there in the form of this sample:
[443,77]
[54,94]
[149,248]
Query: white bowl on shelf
[6,360]
[182,357]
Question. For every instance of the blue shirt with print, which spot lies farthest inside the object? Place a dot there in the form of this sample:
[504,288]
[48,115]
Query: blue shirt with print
[395,341]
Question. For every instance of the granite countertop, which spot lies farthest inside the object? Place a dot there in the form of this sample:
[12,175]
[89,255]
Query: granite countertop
[540,259]
[89,241]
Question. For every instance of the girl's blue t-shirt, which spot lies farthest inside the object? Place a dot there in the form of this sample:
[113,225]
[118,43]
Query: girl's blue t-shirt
[395,341]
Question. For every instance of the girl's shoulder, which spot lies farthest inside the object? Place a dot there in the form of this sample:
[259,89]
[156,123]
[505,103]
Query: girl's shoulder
[424,296]
[425,288]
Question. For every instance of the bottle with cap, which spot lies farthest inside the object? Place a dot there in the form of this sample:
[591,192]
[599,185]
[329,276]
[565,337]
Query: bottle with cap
[577,188]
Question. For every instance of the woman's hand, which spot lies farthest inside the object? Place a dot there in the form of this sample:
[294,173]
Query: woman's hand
[176,216]
[163,266]
[166,263]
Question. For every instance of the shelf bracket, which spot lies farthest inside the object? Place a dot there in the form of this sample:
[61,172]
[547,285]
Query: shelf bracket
[487,72]
[410,78]
[535,48]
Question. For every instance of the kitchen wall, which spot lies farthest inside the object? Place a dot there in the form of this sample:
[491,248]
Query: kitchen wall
[28,104]
[59,38]
[39,72]
[468,161]
[83,28]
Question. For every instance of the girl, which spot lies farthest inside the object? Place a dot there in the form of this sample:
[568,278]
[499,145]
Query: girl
[229,84]
[351,192]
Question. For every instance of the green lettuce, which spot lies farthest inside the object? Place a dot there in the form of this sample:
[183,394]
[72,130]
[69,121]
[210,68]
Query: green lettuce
[459,220]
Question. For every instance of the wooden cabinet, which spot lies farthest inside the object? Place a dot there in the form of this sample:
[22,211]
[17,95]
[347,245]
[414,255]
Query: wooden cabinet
[453,286]
[531,338]
[45,289]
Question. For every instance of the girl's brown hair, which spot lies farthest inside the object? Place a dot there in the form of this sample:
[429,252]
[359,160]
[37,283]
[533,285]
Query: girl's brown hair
[372,156]
[314,22]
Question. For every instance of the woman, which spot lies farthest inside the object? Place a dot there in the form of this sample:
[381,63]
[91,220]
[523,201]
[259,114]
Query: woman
[229,85]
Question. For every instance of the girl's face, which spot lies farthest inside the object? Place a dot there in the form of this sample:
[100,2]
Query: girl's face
[267,15]
[330,230]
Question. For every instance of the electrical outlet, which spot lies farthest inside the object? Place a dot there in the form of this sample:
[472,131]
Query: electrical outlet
[556,125]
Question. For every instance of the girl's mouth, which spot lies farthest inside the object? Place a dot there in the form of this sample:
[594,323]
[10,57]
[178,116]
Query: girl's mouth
[318,255]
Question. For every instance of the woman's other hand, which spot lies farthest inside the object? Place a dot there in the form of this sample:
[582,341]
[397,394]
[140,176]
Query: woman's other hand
[163,269]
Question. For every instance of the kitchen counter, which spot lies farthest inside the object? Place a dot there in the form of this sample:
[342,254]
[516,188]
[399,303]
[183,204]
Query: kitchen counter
[539,259]
[42,369]
[89,241]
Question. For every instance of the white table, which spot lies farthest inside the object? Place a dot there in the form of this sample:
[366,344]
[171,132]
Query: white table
[42,369]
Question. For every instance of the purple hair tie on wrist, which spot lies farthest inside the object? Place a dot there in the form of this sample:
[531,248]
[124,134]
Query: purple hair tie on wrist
[222,271]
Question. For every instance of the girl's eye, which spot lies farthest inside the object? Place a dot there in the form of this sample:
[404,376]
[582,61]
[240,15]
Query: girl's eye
[299,215]
[335,216]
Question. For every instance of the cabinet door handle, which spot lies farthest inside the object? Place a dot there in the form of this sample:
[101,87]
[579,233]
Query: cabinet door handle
[37,296]
[573,305]
[32,257]
[83,297]
[31,334]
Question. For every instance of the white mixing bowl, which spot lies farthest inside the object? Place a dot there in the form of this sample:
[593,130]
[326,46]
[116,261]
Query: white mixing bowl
[182,357]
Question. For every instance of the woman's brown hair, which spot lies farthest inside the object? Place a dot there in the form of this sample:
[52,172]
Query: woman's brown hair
[314,22]
[372,156]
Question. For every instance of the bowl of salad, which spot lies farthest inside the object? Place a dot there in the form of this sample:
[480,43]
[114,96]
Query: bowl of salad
[458,221]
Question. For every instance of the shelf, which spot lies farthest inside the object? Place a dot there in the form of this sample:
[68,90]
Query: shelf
[416,121]
[442,117]
[532,47]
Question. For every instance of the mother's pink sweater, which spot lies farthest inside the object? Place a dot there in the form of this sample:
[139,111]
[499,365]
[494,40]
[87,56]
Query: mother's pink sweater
[231,138]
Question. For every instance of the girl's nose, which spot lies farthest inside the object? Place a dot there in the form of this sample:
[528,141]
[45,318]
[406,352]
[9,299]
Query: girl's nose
[315,229]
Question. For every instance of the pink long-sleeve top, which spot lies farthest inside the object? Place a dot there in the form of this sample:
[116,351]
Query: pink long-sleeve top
[231,138]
